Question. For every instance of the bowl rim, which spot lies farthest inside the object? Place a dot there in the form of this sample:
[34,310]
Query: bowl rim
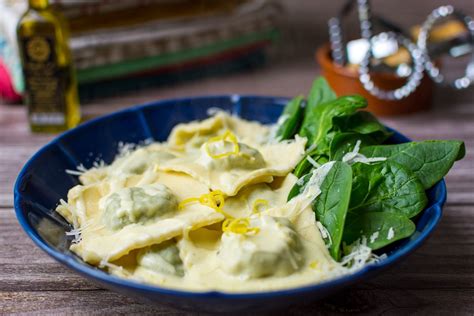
[105,278]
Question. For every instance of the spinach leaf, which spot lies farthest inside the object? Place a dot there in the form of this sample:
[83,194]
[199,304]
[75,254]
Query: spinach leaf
[304,166]
[319,121]
[320,92]
[430,160]
[390,187]
[378,199]
[380,228]
[342,143]
[292,118]
[362,122]
[304,177]
[361,126]
[298,188]
[360,188]
[331,205]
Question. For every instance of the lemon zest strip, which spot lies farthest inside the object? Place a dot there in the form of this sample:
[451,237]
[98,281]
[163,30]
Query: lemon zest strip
[313,265]
[214,199]
[226,136]
[257,204]
[239,226]
[184,202]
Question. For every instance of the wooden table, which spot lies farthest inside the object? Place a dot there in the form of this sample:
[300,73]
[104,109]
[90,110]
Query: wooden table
[438,278]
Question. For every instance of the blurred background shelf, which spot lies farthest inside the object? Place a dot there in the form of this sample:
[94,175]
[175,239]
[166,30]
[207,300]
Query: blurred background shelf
[149,41]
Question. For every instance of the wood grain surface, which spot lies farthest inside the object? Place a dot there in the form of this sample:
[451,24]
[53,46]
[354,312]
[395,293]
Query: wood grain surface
[437,279]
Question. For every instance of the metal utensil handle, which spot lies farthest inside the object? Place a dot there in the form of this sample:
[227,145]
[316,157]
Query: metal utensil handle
[431,69]
[335,38]
[413,80]
[365,18]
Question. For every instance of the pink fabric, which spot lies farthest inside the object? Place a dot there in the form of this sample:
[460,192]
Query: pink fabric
[7,92]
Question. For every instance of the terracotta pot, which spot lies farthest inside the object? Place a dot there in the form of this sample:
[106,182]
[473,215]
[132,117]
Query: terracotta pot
[345,81]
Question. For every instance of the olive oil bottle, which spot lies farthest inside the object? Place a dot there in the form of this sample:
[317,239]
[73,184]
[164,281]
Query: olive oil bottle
[51,88]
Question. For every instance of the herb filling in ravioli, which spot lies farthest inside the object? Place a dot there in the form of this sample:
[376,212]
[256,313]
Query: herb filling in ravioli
[137,205]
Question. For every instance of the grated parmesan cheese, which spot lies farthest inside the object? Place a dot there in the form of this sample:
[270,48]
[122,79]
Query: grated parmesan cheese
[391,233]
[76,232]
[80,169]
[360,253]
[312,189]
[311,148]
[315,181]
[313,162]
[354,156]
[324,233]
[98,164]
[214,110]
[374,237]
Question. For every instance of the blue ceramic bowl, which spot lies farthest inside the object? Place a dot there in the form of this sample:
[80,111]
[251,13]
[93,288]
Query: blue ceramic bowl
[43,181]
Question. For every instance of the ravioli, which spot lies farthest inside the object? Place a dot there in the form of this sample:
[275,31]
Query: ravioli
[230,169]
[194,134]
[101,243]
[259,197]
[249,255]
[138,204]
[131,163]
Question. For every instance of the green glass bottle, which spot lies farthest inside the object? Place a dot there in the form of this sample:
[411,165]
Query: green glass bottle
[51,88]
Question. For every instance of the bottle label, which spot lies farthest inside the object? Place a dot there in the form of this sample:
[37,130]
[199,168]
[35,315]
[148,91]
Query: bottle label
[45,81]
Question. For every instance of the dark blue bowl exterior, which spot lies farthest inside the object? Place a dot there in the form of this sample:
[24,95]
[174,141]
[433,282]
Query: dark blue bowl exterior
[42,182]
